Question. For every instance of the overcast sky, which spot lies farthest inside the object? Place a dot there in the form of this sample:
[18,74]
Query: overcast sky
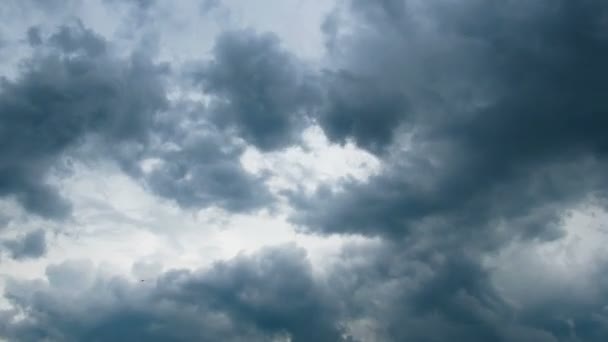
[303,170]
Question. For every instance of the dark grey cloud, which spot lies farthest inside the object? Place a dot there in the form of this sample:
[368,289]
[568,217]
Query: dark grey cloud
[256,298]
[503,106]
[396,291]
[361,108]
[415,291]
[75,98]
[259,90]
[503,109]
[461,63]
[69,90]
[30,245]
[203,169]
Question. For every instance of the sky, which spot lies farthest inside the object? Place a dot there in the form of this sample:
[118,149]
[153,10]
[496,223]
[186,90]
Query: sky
[303,170]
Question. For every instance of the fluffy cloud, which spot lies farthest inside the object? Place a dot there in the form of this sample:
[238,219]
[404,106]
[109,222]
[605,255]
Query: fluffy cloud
[260,90]
[75,98]
[487,121]
[69,91]
[203,169]
[503,109]
[385,293]
[261,297]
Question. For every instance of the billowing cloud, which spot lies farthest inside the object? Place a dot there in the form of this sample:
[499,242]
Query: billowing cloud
[407,291]
[203,169]
[259,90]
[500,108]
[75,93]
[63,96]
[486,121]
[380,293]
[255,298]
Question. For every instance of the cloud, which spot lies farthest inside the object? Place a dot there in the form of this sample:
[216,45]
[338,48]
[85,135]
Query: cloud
[30,245]
[360,108]
[488,124]
[259,90]
[255,298]
[431,291]
[204,170]
[500,109]
[68,92]
[75,98]
[387,292]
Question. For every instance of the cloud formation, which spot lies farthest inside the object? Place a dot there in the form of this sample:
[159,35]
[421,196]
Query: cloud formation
[71,90]
[74,93]
[201,168]
[501,108]
[381,293]
[259,90]
[488,121]
[237,300]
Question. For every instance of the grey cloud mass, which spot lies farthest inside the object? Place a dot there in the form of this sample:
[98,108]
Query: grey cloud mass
[74,93]
[487,118]
[30,245]
[238,300]
[407,291]
[69,91]
[505,107]
[260,90]
[204,170]
[394,294]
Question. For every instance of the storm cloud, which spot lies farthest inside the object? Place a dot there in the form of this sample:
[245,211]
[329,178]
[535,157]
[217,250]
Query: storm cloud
[260,90]
[380,293]
[203,169]
[69,91]
[504,108]
[487,121]
[237,300]
[75,93]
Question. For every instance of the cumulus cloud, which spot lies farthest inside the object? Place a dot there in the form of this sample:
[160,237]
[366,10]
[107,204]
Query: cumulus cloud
[203,169]
[262,297]
[405,291]
[487,123]
[260,90]
[75,98]
[64,94]
[389,292]
[502,110]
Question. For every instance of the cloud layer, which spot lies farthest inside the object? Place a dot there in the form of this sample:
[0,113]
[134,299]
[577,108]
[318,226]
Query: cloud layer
[487,121]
